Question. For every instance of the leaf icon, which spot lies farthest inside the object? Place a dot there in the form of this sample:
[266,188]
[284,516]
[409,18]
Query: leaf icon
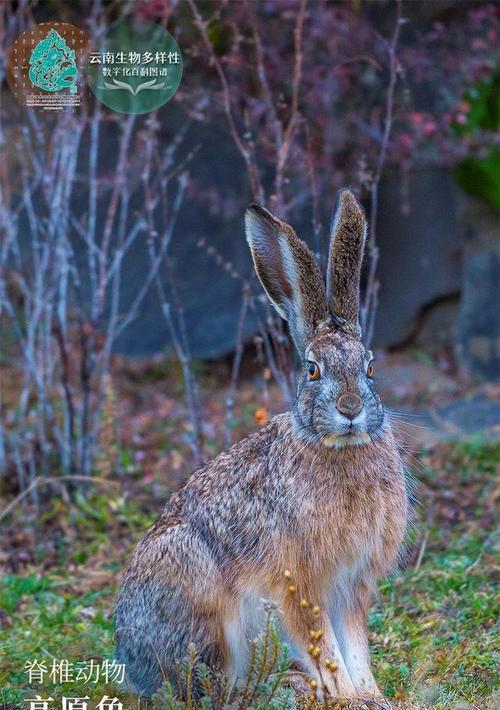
[119,85]
[145,86]
[124,85]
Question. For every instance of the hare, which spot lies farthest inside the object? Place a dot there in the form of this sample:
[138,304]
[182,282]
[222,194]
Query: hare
[318,495]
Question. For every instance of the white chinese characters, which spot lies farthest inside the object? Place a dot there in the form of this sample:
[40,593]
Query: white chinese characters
[172,57]
[63,671]
[105,703]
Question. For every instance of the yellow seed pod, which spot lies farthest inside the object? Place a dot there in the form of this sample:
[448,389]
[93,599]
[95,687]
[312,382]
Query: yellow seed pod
[319,634]
[304,603]
[292,588]
[315,652]
[287,574]
[313,683]
[312,633]
[311,647]
[315,610]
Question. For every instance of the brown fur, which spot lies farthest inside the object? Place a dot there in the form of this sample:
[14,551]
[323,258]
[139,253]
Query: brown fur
[311,510]
[315,492]
[345,258]
[290,296]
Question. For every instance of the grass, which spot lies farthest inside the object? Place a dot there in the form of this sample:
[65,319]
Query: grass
[432,629]
[433,636]
[51,620]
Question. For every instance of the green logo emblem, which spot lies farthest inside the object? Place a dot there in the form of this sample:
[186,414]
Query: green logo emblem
[137,69]
[52,64]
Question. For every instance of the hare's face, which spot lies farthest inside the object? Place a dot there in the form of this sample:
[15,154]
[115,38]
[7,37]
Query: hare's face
[337,404]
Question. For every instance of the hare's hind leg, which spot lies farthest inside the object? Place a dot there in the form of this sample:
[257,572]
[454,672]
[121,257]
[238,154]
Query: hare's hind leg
[171,597]
[154,627]
[236,662]
[242,620]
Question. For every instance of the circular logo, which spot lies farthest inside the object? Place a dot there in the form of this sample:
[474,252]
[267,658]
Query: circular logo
[138,68]
[45,63]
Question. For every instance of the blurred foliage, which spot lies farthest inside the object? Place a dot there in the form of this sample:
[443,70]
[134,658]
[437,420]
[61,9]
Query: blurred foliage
[480,176]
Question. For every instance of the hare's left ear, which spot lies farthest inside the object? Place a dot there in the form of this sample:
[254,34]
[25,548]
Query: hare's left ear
[288,271]
[344,260]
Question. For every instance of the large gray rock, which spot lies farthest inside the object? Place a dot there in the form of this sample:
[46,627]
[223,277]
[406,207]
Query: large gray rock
[210,296]
[419,256]
[479,320]
[476,416]
[478,327]
[419,250]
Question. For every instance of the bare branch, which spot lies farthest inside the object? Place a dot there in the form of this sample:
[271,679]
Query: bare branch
[255,183]
[368,309]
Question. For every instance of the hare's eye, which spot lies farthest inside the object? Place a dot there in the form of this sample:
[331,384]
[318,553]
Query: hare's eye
[313,371]
[370,370]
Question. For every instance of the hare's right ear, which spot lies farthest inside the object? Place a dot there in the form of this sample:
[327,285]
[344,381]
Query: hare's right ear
[288,271]
[347,244]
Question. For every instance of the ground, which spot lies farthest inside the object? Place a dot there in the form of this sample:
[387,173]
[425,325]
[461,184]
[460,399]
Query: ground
[432,628]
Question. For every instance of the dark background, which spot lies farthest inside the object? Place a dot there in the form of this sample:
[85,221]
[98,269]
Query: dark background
[438,243]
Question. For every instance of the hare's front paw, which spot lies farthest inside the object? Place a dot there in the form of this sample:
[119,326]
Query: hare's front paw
[339,685]
[372,694]
[372,700]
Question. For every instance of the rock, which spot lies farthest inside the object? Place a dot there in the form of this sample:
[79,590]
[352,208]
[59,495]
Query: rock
[438,324]
[402,379]
[465,417]
[210,296]
[419,250]
[478,331]
[477,415]
[418,257]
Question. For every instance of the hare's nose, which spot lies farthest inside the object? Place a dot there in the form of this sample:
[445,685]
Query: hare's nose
[349,405]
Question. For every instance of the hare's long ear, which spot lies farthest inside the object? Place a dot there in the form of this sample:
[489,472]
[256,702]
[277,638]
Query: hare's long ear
[288,272]
[344,260]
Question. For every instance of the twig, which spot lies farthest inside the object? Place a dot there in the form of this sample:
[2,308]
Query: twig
[61,285]
[422,551]
[186,360]
[370,300]
[316,224]
[284,149]
[236,362]
[255,183]
[52,482]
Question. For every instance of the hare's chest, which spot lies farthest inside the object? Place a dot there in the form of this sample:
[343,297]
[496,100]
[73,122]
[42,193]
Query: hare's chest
[368,523]
[348,526]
